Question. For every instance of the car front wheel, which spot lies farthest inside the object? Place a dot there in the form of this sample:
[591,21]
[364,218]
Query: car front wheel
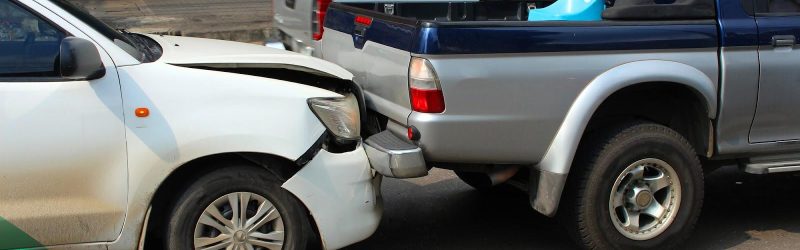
[240,207]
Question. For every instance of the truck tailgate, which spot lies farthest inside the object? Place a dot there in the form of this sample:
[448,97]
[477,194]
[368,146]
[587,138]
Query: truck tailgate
[375,48]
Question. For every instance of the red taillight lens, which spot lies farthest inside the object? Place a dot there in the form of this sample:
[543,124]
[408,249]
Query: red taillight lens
[424,88]
[318,18]
[427,100]
[364,20]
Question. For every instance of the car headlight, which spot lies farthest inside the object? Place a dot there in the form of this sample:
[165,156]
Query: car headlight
[339,114]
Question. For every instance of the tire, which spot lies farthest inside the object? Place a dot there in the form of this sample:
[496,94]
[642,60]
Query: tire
[476,180]
[260,188]
[621,178]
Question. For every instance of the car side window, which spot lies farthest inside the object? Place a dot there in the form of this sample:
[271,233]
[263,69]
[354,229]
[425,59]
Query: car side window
[778,7]
[29,45]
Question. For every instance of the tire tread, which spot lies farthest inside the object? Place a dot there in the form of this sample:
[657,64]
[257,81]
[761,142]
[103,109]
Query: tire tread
[590,151]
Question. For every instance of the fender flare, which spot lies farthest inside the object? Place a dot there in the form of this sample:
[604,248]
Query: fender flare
[554,167]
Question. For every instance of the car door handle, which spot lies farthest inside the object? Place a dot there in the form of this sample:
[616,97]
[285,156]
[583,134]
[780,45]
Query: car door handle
[784,41]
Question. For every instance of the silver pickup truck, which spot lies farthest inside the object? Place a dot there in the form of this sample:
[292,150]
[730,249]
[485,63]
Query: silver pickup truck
[609,124]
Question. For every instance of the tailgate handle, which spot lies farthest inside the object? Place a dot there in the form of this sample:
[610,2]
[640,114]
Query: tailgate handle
[784,41]
[359,36]
[360,31]
[362,23]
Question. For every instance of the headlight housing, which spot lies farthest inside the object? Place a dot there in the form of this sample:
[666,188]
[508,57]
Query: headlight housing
[341,115]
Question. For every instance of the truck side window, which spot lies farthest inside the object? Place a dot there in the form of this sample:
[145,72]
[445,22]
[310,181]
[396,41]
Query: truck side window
[783,6]
[29,45]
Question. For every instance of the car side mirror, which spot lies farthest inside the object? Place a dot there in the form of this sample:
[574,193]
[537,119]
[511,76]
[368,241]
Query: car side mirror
[80,60]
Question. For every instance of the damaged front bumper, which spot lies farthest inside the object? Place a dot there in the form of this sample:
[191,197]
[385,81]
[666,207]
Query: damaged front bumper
[342,190]
[342,193]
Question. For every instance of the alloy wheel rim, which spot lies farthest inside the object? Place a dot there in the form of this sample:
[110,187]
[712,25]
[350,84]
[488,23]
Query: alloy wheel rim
[645,199]
[240,220]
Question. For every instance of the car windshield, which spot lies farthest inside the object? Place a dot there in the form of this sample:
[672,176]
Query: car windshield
[138,46]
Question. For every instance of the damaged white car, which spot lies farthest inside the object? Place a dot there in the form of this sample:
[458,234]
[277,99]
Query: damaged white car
[118,140]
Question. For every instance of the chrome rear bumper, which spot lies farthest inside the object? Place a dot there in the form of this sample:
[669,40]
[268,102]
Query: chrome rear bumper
[394,157]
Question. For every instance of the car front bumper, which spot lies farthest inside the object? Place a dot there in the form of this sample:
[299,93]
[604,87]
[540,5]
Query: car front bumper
[342,193]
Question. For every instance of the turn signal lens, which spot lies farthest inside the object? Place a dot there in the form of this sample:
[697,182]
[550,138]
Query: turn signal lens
[424,88]
[142,112]
[340,115]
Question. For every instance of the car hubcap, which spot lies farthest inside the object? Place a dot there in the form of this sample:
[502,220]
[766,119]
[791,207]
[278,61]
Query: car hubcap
[645,199]
[239,220]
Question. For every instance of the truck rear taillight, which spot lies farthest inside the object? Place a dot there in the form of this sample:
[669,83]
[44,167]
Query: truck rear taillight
[424,88]
[318,17]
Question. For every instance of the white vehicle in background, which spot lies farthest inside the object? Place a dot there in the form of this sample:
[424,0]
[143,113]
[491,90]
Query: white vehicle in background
[297,25]
[119,140]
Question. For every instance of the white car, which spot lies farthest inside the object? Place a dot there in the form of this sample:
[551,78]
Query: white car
[117,140]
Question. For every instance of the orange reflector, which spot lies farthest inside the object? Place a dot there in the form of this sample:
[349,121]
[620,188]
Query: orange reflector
[142,112]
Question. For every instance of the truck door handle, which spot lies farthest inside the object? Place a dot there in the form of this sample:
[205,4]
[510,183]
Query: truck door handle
[784,41]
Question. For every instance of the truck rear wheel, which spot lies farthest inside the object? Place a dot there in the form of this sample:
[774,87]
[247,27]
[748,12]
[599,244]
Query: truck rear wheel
[640,186]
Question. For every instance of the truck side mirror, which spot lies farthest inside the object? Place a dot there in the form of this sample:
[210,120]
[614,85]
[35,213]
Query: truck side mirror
[80,60]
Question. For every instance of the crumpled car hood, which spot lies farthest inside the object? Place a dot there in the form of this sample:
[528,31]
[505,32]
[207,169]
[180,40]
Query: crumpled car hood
[188,51]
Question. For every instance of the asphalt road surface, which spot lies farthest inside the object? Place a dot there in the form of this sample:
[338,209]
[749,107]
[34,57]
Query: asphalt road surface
[439,211]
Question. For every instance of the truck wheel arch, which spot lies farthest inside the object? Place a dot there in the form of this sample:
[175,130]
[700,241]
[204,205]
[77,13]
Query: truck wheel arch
[548,182]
